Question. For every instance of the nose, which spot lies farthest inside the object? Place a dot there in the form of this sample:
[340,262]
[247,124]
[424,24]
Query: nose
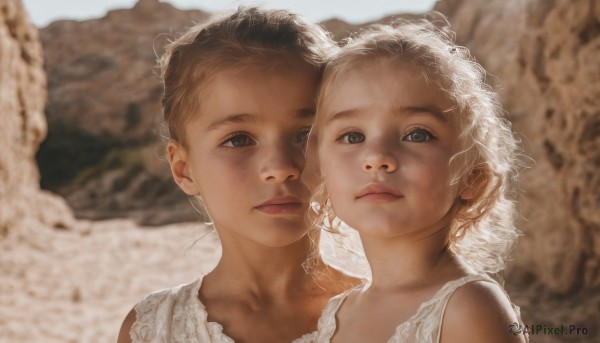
[376,161]
[280,166]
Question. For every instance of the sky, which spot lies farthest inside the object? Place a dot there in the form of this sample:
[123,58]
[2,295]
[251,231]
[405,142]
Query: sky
[43,12]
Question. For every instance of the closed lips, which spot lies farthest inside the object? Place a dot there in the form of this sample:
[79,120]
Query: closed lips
[282,205]
[281,201]
[374,189]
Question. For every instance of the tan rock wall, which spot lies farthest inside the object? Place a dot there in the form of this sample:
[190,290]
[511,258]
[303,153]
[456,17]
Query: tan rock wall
[544,57]
[102,70]
[23,125]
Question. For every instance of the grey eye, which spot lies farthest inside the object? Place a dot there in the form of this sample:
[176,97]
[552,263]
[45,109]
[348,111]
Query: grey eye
[418,136]
[352,138]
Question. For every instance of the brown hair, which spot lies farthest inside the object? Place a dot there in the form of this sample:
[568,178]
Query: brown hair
[247,36]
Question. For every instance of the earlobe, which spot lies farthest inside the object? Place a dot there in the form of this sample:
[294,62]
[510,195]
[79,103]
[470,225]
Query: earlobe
[180,169]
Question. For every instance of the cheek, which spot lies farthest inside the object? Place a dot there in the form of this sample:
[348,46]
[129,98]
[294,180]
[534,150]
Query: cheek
[233,162]
[222,175]
[432,177]
[338,175]
[323,157]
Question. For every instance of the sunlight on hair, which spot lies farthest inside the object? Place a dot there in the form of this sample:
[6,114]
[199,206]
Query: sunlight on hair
[344,251]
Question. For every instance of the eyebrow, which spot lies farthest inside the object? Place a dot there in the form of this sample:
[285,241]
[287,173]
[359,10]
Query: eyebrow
[434,112]
[437,114]
[342,115]
[306,113]
[233,118]
[252,118]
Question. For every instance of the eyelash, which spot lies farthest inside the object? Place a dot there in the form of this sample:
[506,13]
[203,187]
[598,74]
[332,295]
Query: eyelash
[341,138]
[420,130]
[234,135]
[226,142]
[304,131]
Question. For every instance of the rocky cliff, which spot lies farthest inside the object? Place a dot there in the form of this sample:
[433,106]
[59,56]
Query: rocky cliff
[22,100]
[103,152]
[544,59]
[100,72]
[545,56]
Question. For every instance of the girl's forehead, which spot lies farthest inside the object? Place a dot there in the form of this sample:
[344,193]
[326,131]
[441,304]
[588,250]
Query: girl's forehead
[384,86]
[380,80]
[254,92]
[371,63]
[366,71]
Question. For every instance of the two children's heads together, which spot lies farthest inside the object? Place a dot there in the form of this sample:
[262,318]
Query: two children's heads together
[403,116]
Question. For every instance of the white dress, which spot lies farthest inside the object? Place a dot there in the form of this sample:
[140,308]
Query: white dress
[177,315]
[423,327]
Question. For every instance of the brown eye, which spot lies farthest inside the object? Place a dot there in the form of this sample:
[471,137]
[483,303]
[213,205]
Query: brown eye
[301,137]
[238,140]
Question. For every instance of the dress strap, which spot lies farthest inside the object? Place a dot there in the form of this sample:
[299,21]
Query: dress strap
[327,323]
[453,287]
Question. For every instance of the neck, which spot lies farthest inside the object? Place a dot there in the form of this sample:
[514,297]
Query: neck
[409,261]
[250,268]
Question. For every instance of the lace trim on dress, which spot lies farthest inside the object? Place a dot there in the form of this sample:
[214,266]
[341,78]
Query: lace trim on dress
[307,338]
[327,324]
[177,315]
[422,326]
[142,329]
[426,321]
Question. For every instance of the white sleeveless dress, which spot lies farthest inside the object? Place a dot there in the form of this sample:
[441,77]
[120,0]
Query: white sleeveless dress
[177,315]
[423,327]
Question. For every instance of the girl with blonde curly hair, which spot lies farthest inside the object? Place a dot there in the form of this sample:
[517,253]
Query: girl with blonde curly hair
[414,153]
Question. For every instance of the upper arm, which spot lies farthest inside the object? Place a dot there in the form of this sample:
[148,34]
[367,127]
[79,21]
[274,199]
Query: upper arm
[124,336]
[479,312]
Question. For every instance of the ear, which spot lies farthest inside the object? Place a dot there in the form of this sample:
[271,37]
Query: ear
[178,157]
[471,184]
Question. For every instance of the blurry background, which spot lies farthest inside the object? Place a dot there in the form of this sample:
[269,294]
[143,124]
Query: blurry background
[43,12]
[80,99]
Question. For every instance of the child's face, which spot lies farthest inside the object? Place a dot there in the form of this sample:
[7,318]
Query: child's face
[385,141]
[245,153]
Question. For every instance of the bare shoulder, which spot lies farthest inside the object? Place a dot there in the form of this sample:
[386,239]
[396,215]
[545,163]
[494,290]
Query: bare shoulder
[479,312]
[124,336]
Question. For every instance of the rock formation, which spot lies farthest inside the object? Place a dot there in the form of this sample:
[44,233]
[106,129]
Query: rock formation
[545,56]
[22,100]
[101,74]
[104,110]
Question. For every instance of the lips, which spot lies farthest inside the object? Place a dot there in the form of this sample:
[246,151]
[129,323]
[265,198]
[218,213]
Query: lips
[281,205]
[379,193]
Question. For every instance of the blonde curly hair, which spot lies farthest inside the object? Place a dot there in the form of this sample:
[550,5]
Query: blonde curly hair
[482,230]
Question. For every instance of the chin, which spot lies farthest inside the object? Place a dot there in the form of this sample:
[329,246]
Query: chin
[378,229]
[283,235]
[280,241]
